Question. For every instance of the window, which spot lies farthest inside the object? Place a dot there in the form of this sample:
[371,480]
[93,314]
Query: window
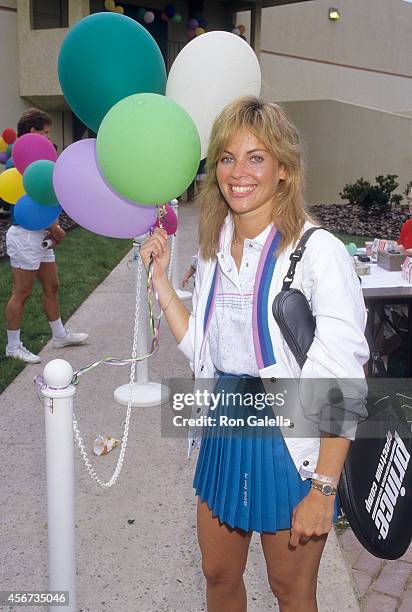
[47,14]
[96,6]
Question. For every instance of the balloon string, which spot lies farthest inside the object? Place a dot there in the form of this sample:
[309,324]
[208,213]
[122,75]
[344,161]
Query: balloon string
[154,321]
[154,325]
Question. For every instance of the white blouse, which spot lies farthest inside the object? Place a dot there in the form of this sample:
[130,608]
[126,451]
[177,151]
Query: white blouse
[230,331]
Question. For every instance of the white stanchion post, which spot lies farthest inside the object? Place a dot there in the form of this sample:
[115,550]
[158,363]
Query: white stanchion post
[182,293]
[58,408]
[144,392]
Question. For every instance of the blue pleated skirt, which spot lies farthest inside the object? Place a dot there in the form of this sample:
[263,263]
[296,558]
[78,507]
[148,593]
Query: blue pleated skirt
[246,474]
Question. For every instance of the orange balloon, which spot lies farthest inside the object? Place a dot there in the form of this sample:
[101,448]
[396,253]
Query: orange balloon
[3,145]
[119,9]
[109,5]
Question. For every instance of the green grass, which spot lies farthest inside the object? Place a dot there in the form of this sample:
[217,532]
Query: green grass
[358,240]
[84,260]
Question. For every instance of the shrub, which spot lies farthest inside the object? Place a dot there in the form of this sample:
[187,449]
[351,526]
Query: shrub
[373,198]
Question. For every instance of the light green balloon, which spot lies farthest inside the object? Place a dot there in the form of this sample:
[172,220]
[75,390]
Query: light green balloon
[148,148]
[352,248]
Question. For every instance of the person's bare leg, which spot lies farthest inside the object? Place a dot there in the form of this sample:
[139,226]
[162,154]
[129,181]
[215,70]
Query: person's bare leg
[49,280]
[224,555]
[23,281]
[293,572]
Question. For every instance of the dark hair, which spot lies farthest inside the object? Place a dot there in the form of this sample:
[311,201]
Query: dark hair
[32,118]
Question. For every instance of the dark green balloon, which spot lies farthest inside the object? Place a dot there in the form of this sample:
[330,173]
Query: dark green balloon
[38,182]
[104,58]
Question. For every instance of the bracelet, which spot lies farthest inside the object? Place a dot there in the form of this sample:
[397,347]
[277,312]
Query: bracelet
[169,302]
[328,479]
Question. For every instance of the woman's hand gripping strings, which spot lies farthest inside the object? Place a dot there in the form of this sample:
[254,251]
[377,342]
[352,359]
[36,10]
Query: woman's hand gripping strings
[154,251]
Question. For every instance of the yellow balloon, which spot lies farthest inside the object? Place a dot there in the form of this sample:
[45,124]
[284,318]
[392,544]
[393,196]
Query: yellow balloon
[11,186]
[119,9]
[200,31]
[109,5]
[3,145]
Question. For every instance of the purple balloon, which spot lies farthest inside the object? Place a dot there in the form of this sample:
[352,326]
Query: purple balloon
[88,200]
[3,158]
[192,24]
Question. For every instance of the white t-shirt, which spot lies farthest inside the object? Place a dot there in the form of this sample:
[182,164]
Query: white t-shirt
[230,331]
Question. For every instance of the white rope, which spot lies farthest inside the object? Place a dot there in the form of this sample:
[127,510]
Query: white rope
[78,439]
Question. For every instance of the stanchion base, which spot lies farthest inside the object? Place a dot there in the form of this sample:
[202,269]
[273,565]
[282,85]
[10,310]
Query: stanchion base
[183,295]
[148,394]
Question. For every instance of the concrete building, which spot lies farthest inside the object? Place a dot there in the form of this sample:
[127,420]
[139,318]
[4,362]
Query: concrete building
[347,83]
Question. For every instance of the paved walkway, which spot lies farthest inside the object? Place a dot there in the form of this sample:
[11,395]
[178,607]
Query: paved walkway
[136,543]
[382,586]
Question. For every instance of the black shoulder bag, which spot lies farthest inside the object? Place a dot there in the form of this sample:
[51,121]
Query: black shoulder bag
[375,487]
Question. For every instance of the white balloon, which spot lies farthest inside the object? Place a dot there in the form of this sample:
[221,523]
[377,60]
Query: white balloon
[209,72]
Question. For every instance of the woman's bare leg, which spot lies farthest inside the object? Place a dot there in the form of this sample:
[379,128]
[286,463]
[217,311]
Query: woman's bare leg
[293,572]
[224,555]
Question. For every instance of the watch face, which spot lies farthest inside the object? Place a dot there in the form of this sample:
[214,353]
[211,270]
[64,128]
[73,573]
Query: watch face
[327,489]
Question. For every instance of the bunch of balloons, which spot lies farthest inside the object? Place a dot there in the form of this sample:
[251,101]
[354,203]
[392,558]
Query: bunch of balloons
[169,14]
[147,148]
[7,139]
[151,134]
[196,26]
[110,5]
[29,184]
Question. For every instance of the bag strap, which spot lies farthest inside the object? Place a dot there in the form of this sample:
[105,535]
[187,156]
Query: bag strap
[296,256]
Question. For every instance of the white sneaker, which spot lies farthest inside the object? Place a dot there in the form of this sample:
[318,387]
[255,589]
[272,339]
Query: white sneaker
[69,339]
[20,352]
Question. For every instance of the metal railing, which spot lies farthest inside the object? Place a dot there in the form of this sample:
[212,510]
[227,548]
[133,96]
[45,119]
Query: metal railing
[173,49]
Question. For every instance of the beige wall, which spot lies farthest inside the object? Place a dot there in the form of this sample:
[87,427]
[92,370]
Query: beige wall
[11,105]
[364,58]
[286,78]
[344,142]
[373,34]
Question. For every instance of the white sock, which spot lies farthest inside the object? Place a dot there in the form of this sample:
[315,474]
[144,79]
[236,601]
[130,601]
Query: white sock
[57,328]
[13,338]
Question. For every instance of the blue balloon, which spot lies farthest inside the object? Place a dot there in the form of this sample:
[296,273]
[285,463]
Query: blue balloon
[34,216]
[9,164]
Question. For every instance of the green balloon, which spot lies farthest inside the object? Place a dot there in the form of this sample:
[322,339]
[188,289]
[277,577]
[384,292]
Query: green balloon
[352,248]
[104,58]
[176,18]
[148,149]
[38,182]
[141,12]
[9,150]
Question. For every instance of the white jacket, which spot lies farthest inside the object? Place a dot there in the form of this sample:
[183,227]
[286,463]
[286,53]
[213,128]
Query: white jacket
[327,277]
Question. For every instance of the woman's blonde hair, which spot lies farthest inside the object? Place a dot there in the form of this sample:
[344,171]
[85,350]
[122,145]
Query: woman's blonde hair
[269,123]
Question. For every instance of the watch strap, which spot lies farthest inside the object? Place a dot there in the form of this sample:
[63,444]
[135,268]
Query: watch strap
[326,489]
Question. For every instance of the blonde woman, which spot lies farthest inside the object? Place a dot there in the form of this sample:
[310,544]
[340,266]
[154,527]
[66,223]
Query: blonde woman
[252,215]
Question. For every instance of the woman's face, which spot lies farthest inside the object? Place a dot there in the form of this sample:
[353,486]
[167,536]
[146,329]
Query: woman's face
[247,174]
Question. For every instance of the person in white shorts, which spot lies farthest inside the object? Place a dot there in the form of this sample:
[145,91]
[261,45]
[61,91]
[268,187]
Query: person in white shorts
[30,260]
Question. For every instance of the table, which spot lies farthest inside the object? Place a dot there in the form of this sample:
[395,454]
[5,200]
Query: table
[384,288]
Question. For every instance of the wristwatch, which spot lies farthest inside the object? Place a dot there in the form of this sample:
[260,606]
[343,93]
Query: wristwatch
[326,489]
